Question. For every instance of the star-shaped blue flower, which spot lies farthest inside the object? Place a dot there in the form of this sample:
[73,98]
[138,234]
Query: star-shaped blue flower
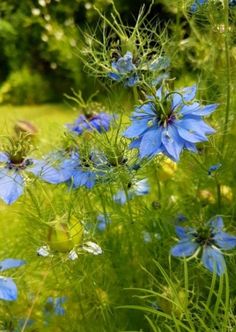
[97,122]
[169,123]
[211,239]
[12,177]
[8,289]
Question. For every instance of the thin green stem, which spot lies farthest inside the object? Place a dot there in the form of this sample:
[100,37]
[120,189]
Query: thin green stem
[228,74]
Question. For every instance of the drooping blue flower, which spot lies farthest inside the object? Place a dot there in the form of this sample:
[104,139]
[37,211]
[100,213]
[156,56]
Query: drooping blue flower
[211,239]
[124,70]
[169,123]
[8,289]
[96,122]
[213,168]
[12,177]
[136,188]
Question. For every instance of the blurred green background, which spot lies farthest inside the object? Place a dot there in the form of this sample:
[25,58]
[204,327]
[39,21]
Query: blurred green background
[40,42]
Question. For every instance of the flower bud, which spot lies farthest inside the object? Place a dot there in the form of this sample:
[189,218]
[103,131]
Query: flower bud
[174,301]
[167,169]
[226,193]
[64,236]
[206,197]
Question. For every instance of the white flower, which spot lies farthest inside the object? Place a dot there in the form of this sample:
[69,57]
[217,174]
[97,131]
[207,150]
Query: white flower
[43,251]
[42,3]
[47,17]
[44,38]
[35,11]
[48,27]
[88,5]
[92,248]
[73,255]
[53,65]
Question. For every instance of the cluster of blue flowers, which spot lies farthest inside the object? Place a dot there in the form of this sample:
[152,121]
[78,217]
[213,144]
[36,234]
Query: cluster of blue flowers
[165,122]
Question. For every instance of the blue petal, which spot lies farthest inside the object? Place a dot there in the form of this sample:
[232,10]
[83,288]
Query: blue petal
[192,109]
[217,224]
[11,185]
[184,248]
[151,142]
[120,197]
[137,128]
[146,110]
[214,168]
[192,130]
[177,100]
[135,144]
[142,187]
[172,142]
[4,157]
[51,174]
[124,64]
[83,178]
[213,260]
[190,146]
[114,76]
[159,93]
[225,241]
[59,310]
[8,289]
[9,263]
[202,111]
[131,81]
[189,93]
[181,232]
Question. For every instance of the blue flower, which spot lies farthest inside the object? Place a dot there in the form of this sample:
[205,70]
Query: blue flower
[169,123]
[103,221]
[213,168]
[100,122]
[181,217]
[56,167]
[12,177]
[8,289]
[62,166]
[211,239]
[55,306]
[136,188]
[124,70]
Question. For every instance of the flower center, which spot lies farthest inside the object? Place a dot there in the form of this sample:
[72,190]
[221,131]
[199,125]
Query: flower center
[16,165]
[204,236]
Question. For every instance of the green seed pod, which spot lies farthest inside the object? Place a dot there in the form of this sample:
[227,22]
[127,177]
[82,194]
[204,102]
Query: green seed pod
[174,302]
[63,237]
